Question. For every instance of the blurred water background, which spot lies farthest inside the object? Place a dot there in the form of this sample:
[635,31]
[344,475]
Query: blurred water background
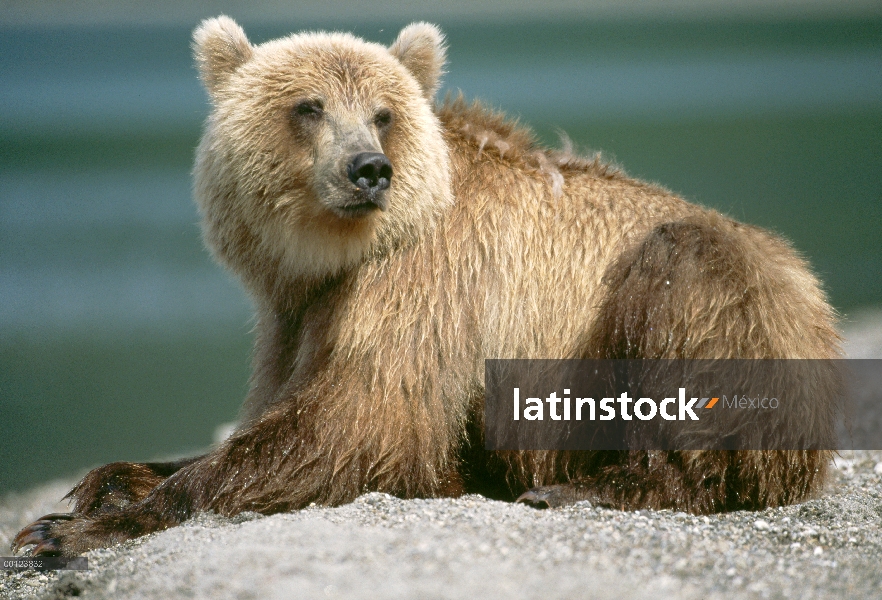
[121,340]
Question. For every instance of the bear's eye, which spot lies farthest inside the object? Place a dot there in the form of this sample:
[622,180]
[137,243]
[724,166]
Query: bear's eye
[383,117]
[309,108]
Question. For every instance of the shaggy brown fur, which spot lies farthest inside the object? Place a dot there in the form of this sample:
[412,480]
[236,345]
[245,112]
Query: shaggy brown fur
[372,330]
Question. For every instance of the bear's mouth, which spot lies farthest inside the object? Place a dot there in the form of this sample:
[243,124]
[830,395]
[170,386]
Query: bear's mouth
[362,205]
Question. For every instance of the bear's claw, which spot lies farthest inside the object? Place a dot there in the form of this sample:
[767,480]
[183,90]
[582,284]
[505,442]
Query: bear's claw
[48,547]
[537,498]
[27,536]
[42,534]
[554,496]
[37,533]
[58,517]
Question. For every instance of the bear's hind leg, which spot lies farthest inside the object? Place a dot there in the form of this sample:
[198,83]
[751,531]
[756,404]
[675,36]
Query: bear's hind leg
[704,287]
[708,287]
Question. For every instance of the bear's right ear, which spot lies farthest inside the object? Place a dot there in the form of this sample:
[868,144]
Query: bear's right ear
[220,47]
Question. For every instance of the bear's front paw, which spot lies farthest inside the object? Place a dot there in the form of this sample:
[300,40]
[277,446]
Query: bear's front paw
[66,534]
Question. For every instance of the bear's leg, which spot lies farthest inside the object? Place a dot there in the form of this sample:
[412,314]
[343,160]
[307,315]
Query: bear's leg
[218,480]
[705,287]
[221,480]
[293,455]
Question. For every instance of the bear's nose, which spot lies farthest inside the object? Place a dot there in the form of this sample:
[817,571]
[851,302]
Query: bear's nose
[370,171]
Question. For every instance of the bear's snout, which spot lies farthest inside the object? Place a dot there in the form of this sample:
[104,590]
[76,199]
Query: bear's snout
[370,171]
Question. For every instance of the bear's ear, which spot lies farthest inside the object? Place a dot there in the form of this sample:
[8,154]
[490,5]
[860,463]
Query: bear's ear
[220,47]
[420,47]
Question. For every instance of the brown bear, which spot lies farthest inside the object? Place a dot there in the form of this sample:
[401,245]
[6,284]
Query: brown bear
[390,246]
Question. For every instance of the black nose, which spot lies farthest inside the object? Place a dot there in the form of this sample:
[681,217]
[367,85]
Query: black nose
[370,171]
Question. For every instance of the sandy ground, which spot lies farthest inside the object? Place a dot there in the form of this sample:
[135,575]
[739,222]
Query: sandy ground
[471,547]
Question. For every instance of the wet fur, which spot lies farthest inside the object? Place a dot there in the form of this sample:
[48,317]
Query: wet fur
[368,375]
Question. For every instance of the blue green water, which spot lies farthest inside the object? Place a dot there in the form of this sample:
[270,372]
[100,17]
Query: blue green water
[120,340]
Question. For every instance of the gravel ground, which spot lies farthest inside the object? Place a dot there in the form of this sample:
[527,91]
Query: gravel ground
[383,547]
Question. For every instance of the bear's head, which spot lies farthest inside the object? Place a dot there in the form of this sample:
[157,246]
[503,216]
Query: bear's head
[321,150]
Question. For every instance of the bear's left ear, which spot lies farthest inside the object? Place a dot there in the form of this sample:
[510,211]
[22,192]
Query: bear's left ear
[420,48]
